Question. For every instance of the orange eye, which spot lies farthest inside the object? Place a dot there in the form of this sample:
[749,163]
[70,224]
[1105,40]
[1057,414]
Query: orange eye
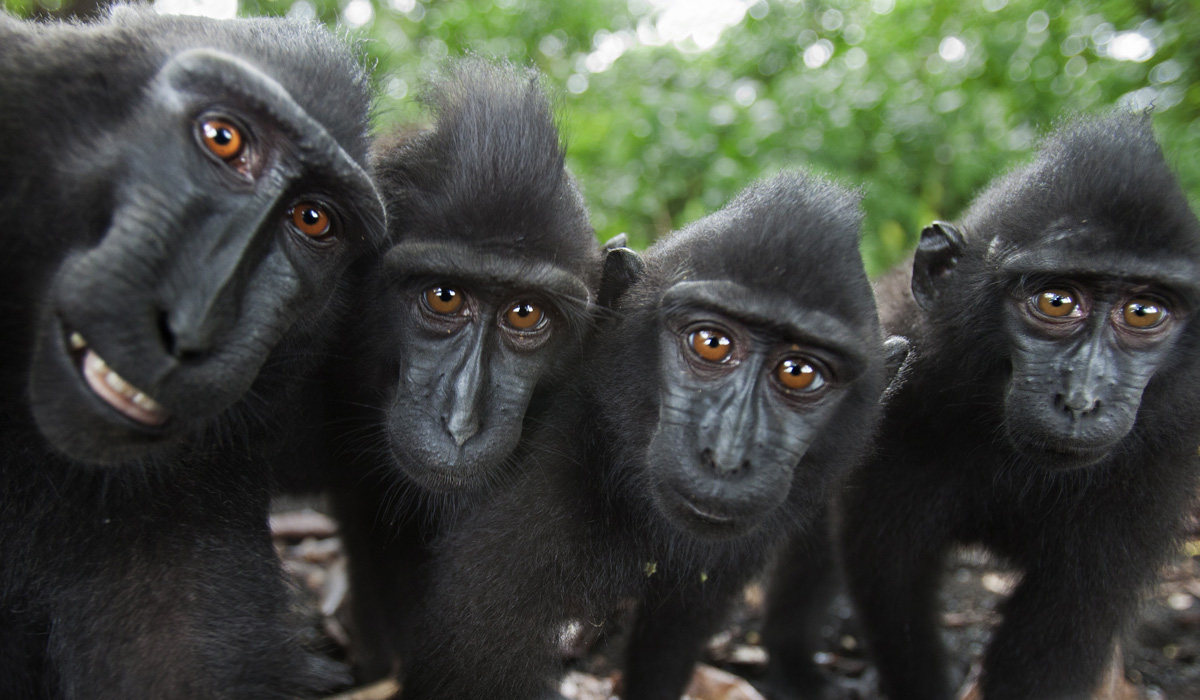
[1055,303]
[523,315]
[712,345]
[443,299]
[222,138]
[1143,313]
[799,375]
[311,219]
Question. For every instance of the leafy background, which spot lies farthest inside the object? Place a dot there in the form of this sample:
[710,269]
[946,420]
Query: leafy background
[670,107]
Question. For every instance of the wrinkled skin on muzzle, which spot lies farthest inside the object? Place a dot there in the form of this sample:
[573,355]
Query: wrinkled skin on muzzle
[198,268]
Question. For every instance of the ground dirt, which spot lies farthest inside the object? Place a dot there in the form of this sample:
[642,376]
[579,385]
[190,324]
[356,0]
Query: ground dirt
[1161,656]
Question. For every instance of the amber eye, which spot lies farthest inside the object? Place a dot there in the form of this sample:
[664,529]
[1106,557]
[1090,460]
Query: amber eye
[444,299]
[222,138]
[523,315]
[712,345]
[799,375]
[1143,313]
[1055,303]
[311,219]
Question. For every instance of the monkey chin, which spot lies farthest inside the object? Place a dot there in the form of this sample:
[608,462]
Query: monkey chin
[438,465]
[1057,454]
[702,519]
[446,479]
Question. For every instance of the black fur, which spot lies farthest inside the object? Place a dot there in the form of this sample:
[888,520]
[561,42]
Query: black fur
[647,429]
[135,559]
[432,406]
[1066,447]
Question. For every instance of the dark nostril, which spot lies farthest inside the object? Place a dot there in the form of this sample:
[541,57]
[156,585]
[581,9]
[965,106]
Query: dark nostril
[171,341]
[165,333]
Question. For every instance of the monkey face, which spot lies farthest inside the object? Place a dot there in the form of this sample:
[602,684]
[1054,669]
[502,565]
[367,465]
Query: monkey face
[471,365]
[1088,332]
[742,401]
[474,335]
[226,217]
[1084,352]
[1088,314]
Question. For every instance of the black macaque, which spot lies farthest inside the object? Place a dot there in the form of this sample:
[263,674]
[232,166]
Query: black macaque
[181,197]
[1049,413]
[472,317]
[736,377]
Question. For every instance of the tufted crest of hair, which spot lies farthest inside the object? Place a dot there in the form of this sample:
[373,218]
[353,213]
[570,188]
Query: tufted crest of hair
[794,234]
[1102,171]
[491,169]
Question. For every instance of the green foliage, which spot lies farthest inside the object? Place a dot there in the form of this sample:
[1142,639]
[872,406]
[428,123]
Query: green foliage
[663,135]
[20,8]
[920,102]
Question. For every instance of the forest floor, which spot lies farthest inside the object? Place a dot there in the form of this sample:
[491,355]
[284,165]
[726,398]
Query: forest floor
[1161,657]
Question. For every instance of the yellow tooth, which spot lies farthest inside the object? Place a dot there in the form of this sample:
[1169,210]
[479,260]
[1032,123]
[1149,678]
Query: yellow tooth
[96,364]
[117,383]
[146,402]
[77,342]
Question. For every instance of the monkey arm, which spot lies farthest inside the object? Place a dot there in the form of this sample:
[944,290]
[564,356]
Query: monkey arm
[802,587]
[1042,651]
[892,556]
[674,621]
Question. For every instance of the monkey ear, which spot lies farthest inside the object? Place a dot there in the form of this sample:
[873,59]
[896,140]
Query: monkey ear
[622,267]
[897,357]
[937,255]
[621,240]
[895,351]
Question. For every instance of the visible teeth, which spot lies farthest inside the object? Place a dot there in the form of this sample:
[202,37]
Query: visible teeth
[95,364]
[77,342]
[146,402]
[118,384]
[119,393]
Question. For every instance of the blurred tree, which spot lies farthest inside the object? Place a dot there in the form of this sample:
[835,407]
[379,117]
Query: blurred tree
[672,106]
[56,9]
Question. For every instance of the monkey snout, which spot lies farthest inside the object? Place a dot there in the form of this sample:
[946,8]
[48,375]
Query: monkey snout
[1077,405]
[724,465]
[184,343]
[462,426]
